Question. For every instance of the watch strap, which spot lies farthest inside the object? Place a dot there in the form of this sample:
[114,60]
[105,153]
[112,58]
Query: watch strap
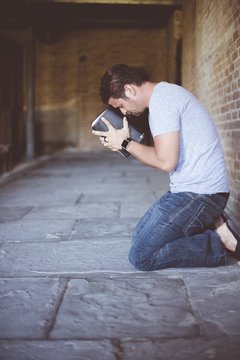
[125,143]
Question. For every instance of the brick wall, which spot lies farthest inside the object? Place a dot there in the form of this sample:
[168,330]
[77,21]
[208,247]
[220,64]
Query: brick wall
[211,70]
[68,74]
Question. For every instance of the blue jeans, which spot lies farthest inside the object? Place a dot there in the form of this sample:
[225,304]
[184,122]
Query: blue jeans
[177,231]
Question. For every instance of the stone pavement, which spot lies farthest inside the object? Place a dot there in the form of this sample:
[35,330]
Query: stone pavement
[67,290]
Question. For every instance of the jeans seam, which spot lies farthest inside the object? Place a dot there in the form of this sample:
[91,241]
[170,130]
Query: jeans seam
[199,211]
[220,256]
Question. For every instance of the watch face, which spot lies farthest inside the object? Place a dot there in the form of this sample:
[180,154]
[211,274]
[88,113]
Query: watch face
[125,144]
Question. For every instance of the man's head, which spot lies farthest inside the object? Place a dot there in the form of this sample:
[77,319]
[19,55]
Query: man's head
[113,82]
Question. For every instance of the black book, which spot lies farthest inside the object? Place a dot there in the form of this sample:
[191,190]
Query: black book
[115,117]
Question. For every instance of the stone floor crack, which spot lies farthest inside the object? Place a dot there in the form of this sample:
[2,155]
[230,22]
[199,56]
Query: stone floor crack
[72,230]
[79,199]
[57,302]
[119,348]
[191,306]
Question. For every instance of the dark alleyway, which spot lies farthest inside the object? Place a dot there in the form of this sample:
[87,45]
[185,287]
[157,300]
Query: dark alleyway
[67,290]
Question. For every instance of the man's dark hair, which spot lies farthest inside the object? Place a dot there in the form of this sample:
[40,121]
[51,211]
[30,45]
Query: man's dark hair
[115,78]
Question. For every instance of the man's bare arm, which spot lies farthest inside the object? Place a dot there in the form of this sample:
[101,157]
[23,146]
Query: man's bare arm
[163,155]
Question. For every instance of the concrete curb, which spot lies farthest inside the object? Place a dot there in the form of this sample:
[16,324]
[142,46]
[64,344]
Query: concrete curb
[24,167]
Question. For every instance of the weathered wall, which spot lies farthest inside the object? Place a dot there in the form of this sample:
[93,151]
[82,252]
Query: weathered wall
[68,73]
[211,70]
[12,126]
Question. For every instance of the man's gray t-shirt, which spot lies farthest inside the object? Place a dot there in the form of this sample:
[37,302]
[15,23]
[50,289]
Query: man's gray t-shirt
[201,167]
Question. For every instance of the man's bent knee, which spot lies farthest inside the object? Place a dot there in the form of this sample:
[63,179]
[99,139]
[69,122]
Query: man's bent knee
[139,262]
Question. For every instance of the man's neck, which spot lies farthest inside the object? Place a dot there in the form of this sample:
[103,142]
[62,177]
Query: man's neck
[147,90]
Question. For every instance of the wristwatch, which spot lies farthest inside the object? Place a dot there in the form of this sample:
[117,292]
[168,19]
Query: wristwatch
[125,143]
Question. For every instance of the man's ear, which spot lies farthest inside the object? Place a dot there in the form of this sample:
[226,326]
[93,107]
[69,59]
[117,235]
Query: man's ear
[129,90]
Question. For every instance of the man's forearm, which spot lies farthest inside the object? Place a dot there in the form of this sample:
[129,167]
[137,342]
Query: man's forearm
[147,155]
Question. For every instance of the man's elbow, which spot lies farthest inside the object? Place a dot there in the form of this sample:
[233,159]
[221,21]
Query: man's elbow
[167,165]
[168,168]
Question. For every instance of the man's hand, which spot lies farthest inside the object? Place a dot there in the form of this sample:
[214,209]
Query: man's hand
[113,138]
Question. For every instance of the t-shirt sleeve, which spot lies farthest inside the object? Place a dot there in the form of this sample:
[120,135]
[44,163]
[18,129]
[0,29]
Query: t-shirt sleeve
[164,115]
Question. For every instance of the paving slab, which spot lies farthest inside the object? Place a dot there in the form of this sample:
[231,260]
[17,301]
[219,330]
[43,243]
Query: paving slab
[28,230]
[91,309]
[216,301]
[97,210]
[27,307]
[69,257]
[31,198]
[221,348]
[36,230]
[158,349]
[58,350]
[13,213]
[132,197]
[94,229]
